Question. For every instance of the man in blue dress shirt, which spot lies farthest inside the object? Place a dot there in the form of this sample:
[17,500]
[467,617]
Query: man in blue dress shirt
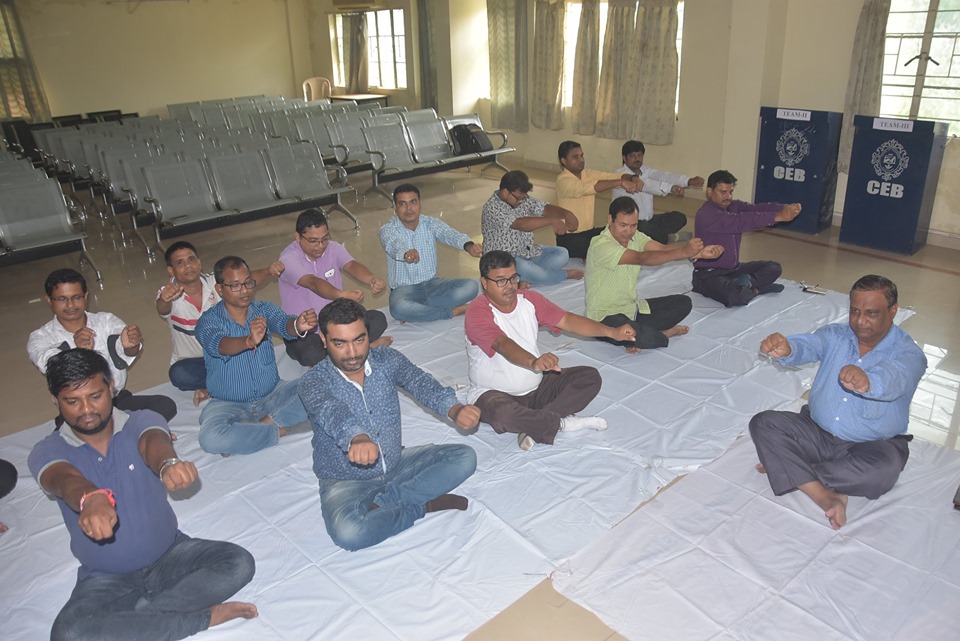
[851,438]
[371,487]
[250,408]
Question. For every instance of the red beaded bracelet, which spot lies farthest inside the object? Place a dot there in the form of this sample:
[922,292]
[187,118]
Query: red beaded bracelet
[106,492]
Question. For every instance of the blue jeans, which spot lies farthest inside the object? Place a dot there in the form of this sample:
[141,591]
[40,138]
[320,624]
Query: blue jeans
[189,374]
[170,599]
[545,269]
[432,299]
[423,473]
[228,427]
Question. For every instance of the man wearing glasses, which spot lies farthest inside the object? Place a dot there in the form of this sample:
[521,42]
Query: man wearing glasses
[511,215]
[313,277]
[73,326]
[250,408]
[517,388]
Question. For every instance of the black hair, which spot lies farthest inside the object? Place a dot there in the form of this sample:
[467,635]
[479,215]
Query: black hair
[73,367]
[405,188]
[632,146]
[516,180]
[565,147]
[60,276]
[622,205]
[342,311]
[874,283]
[721,176]
[225,263]
[495,259]
[310,218]
[177,246]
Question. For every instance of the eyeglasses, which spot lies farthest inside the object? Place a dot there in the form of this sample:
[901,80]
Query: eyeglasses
[519,196]
[76,298]
[235,287]
[502,282]
[316,241]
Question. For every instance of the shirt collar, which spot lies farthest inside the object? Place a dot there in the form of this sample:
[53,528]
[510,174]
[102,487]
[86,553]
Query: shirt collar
[67,433]
[367,371]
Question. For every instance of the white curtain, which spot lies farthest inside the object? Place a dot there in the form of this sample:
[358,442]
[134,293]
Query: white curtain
[507,38]
[652,110]
[615,94]
[866,72]
[355,52]
[546,100]
[586,69]
[428,56]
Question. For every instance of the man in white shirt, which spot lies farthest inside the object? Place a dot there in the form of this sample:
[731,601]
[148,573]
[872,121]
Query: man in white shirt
[663,228]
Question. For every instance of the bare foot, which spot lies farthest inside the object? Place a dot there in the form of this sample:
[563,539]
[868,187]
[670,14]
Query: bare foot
[633,350]
[383,341]
[760,468]
[574,274]
[459,310]
[837,513]
[200,396]
[3,528]
[676,330]
[834,504]
[173,436]
[229,610]
[524,284]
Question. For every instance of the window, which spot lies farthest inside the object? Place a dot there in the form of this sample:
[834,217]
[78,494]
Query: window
[571,28]
[386,49]
[20,93]
[921,66]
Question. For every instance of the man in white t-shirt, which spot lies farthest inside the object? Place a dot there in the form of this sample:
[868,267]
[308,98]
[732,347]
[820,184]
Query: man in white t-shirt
[517,388]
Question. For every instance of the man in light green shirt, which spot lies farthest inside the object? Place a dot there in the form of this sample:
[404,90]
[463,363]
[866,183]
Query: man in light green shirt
[613,266]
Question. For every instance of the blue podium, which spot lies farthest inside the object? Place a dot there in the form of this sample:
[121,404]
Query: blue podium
[894,170]
[797,163]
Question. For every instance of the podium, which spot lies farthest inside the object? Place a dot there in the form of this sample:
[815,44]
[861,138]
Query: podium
[797,163]
[894,170]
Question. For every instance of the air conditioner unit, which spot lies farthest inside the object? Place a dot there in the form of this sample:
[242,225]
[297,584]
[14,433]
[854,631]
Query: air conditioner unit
[359,5]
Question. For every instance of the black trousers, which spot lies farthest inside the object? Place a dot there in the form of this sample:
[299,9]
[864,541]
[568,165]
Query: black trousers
[8,478]
[578,243]
[662,225]
[719,284]
[309,351]
[665,312]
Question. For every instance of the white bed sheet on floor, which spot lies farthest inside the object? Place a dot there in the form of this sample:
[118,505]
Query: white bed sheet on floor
[718,557]
[669,410]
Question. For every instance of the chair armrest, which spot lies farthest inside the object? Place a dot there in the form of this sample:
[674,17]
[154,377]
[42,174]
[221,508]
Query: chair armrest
[336,152]
[501,134]
[377,154]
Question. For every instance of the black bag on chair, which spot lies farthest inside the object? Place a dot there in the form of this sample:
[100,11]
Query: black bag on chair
[470,139]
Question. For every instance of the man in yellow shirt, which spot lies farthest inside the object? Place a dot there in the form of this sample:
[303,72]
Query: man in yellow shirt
[577,188]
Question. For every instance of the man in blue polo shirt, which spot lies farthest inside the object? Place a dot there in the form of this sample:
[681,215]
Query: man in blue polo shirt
[110,472]
[851,438]
[250,408]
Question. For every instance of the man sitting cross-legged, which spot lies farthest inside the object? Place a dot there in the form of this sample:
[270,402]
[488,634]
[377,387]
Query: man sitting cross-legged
[140,577]
[851,438]
[251,407]
[517,388]
[371,487]
[613,267]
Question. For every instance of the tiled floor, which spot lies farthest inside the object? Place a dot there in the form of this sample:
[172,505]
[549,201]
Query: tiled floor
[928,283]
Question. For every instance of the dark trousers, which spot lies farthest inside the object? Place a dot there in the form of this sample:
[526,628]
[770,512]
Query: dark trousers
[8,478]
[795,450]
[538,413]
[578,243]
[662,225]
[162,405]
[719,284]
[309,351]
[665,312]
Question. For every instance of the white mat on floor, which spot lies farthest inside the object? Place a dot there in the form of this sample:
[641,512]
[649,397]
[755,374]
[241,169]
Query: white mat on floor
[717,556]
[668,410]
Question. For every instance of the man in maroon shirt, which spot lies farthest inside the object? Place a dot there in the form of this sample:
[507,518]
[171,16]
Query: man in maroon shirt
[722,221]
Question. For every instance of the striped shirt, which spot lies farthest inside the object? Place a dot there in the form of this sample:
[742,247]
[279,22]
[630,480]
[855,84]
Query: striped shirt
[398,240]
[183,317]
[252,374]
[611,288]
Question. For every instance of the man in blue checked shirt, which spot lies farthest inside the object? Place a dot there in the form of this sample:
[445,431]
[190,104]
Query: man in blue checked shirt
[851,438]
[371,487]
[250,408]
[417,294]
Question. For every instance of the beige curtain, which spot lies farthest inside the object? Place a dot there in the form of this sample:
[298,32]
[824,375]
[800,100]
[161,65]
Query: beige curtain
[586,69]
[507,42]
[546,98]
[616,93]
[21,92]
[355,52]
[652,110]
[866,72]
[428,56]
